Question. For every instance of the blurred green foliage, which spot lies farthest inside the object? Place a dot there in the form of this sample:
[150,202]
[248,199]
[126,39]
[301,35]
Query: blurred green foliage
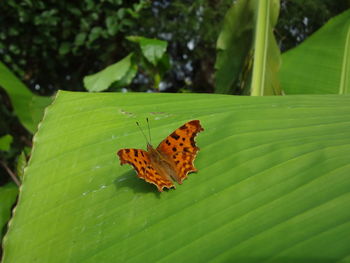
[8,196]
[62,42]
[52,44]
[150,58]
[5,142]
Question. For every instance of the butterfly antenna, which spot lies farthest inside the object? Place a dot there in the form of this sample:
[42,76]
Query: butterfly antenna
[138,125]
[149,131]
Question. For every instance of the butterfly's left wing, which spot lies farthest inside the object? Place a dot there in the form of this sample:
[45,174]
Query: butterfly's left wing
[141,162]
[180,147]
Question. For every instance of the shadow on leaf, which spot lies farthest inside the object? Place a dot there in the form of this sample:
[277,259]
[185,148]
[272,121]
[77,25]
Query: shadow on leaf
[130,180]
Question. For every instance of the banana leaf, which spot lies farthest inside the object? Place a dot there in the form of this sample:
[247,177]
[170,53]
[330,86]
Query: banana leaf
[248,57]
[321,64]
[272,183]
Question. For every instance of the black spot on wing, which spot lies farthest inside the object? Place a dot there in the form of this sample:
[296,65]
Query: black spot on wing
[136,153]
[175,136]
[127,150]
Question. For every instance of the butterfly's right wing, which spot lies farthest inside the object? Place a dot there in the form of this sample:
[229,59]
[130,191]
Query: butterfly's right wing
[141,162]
[180,147]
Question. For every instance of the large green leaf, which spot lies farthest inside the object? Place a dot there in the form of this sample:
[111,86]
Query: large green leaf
[321,64]
[273,182]
[8,195]
[246,38]
[28,107]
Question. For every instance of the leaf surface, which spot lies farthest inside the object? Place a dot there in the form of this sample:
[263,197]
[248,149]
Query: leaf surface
[272,186]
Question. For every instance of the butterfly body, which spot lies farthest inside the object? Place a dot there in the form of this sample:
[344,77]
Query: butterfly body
[161,163]
[171,161]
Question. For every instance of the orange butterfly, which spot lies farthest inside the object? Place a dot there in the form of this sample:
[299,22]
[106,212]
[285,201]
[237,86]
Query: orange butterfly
[171,161]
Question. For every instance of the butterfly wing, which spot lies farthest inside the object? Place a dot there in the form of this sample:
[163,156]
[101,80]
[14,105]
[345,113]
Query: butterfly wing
[141,162]
[180,147]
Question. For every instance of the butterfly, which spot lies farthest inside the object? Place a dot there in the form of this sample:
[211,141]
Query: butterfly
[171,161]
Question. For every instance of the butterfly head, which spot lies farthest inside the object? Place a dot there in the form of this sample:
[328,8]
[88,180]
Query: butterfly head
[150,147]
[153,153]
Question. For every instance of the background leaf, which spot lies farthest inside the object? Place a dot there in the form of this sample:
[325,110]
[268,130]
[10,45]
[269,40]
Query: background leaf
[28,107]
[321,64]
[247,30]
[272,185]
[233,45]
[123,71]
[21,164]
[152,49]
[5,142]
[8,195]
[266,51]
